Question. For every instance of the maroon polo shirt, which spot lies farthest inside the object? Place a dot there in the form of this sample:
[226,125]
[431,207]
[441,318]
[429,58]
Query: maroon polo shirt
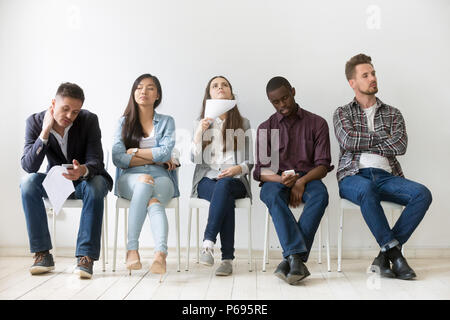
[303,143]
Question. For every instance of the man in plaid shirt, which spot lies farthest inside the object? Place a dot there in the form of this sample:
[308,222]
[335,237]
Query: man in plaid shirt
[371,134]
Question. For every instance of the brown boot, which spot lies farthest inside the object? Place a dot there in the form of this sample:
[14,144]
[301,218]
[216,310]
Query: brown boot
[159,263]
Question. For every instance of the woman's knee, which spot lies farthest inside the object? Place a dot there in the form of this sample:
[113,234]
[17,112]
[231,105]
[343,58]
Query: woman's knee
[224,183]
[164,189]
[153,201]
[146,178]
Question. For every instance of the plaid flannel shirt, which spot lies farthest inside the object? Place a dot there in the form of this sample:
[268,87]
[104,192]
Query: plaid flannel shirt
[389,138]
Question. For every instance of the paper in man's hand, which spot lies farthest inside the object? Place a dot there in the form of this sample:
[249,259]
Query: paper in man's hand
[58,188]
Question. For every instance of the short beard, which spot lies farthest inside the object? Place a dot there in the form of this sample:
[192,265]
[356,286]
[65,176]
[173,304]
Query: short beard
[369,93]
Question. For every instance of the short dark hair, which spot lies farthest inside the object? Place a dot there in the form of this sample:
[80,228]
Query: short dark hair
[71,90]
[353,62]
[277,82]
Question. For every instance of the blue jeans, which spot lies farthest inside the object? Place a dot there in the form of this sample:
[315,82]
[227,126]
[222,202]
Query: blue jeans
[140,193]
[92,192]
[221,194]
[370,186]
[295,237]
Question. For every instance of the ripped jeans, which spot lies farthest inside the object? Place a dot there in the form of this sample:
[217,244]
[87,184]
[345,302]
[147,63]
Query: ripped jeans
[136,186]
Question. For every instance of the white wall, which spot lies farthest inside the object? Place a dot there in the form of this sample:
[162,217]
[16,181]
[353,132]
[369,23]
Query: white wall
[104,45]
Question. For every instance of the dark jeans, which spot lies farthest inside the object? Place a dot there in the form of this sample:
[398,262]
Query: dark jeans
[295,237]
[370,186]
[92,192]
[221,195]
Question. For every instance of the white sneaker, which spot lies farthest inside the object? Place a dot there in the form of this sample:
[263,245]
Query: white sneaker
[225,268]
[207,256]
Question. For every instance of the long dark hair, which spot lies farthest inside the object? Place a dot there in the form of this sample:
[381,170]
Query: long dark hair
[233,121]
[132,130]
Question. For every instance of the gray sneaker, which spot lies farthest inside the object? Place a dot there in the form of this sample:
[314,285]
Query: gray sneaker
[225,268]
[43,262]
[207,257]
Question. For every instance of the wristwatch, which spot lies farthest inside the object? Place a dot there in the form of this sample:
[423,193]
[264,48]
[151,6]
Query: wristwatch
[133,152]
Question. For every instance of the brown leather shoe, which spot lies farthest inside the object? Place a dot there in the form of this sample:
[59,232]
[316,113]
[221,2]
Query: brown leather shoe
[85,266]
[43,262]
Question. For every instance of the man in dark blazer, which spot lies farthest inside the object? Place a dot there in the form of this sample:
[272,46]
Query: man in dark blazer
[65,134]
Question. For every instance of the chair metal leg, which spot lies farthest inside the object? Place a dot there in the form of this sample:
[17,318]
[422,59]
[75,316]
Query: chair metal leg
[125,231]
[54,232]
[105,218]
[250,239]
[103,248]
[320,243]
[328,242]
[177,224]
[198,232]
[115,239]
[188,242]
[341,225]
[266,242]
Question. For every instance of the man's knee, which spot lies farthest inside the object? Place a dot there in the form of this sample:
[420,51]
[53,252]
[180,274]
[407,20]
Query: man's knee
[271,191]
[97,187]
[322,197]
[31,183]
[146,178]
[424,194]
[368,191]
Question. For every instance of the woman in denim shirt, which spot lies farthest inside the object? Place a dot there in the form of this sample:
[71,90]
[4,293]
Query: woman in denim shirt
[142,149]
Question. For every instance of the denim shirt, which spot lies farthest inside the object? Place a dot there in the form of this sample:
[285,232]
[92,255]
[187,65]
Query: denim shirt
[164,127]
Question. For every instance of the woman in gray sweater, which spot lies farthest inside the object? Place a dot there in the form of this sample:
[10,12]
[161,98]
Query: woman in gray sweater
[223,153]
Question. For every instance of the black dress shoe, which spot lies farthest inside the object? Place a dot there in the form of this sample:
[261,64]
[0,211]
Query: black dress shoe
[282,270]
[382,266]
[298,270]
[401,269]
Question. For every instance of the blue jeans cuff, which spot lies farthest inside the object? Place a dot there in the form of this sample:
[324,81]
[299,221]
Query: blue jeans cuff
[294,251]
[391,244]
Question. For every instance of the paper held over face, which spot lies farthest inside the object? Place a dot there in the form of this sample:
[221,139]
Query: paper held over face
[58,188]
[217,107]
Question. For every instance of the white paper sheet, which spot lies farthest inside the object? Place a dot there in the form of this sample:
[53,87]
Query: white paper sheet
[58,188]
[217,107]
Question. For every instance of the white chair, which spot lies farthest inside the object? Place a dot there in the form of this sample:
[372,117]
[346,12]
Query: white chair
[300,208]
[78,203]
[197,203]
[346,205]
[122,203]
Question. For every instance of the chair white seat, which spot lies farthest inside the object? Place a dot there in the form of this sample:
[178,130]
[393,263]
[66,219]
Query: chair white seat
[122,203]
[244,203]
[197,203]
[300,208]
[346,205]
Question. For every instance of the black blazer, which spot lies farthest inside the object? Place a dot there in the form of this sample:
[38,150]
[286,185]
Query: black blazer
[84,144]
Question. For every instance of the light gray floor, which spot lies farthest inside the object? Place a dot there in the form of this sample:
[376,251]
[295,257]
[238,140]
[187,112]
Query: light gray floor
[433,282]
